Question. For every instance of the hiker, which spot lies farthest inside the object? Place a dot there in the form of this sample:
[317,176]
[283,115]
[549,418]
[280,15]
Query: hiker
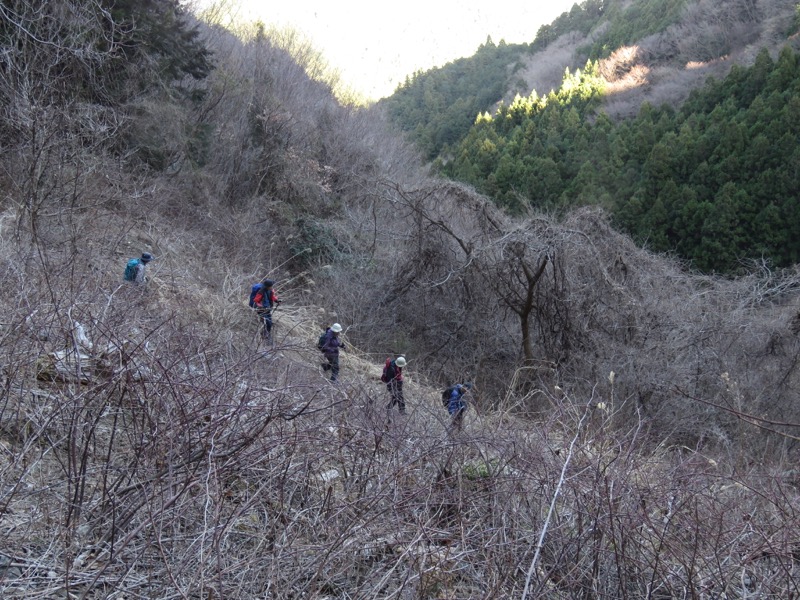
[134,270]
[330,343]
[456,405]
[393,378]
[264,299]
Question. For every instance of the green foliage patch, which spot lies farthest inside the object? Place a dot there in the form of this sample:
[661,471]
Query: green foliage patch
[715,181]
[437,107]
[629,22]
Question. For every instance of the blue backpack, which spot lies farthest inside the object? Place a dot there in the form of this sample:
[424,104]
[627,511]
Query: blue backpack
[253,293]
[446,395]
[130,269]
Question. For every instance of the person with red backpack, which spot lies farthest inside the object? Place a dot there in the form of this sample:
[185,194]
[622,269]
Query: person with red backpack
[264,299]
[393,378]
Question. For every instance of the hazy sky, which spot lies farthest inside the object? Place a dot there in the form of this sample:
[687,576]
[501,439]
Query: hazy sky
[374,44]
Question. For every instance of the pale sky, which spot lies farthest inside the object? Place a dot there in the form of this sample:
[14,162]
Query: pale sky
[374,44]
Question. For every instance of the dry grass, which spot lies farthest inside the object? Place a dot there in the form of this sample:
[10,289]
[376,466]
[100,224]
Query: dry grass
[189,464]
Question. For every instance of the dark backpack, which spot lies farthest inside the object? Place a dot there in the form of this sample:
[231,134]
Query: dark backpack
[130,269]
[254,295]
[321,341]
[389,371]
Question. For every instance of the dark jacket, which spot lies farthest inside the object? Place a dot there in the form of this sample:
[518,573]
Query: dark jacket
[392,372]
[268,299]
[332,343]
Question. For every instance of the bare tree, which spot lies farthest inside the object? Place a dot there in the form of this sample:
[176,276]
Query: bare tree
[49,134]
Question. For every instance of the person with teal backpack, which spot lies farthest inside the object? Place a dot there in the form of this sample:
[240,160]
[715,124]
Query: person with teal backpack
[135,269]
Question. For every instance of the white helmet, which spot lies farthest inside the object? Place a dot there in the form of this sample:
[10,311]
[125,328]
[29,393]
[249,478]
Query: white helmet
[336,328]
[400,362]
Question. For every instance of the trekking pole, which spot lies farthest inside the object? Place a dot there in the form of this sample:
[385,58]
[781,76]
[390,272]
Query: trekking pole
[272,334]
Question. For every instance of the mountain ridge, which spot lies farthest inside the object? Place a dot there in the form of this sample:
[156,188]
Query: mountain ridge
[701,39]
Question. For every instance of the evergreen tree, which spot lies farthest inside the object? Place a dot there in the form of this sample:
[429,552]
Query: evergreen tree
[156,45]
[677,179]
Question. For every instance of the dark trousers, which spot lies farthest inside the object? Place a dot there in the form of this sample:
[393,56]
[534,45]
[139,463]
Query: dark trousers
[333,365]
[396,392]
[266,318]
[457,410]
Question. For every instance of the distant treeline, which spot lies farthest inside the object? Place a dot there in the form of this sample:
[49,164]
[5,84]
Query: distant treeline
[437,107]
[717,181]
[714,180]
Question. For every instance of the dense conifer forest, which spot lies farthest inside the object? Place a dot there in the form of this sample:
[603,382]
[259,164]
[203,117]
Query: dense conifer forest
[712,178]
[715,180]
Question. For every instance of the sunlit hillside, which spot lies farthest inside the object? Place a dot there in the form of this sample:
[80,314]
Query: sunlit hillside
[654,51]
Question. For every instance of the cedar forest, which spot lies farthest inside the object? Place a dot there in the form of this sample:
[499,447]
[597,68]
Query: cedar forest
[714,180]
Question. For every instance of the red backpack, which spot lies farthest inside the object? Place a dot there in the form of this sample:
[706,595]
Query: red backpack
[389,371]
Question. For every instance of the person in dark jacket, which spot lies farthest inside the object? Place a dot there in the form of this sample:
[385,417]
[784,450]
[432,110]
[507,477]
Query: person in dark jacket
[330,348]
[393,377]
[265,301]
[456,406]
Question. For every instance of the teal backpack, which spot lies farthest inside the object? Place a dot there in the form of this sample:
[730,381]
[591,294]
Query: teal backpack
[130,269]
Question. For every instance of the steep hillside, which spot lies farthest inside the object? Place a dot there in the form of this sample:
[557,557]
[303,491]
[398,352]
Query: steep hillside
[713,182]
[653,51]
[633,429]
[658,51]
